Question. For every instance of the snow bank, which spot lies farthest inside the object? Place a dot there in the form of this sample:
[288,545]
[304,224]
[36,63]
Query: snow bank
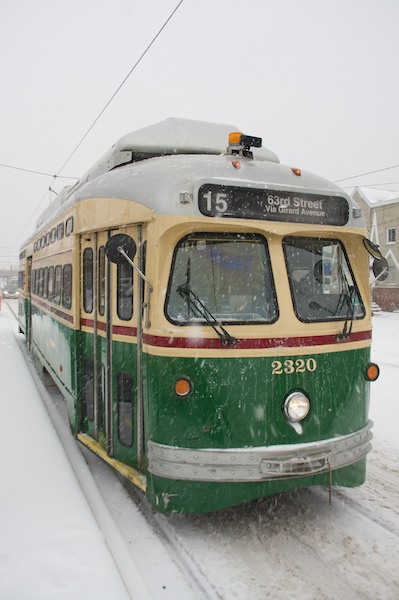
[50,544]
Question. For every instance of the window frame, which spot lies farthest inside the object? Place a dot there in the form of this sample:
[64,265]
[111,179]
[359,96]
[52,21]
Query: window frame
[101,281]
[332,318]
[69,226]
[389,231]
[60,231]
[50,283]
[88,388]
[88,279]
[125,401]
[267,273]
[57,284]
[67,285]
[125,301]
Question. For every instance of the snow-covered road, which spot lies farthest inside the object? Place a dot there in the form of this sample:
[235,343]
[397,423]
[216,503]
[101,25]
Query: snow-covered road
[292,546]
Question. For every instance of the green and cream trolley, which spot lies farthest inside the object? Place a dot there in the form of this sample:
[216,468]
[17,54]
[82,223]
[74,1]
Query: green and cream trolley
[205,311]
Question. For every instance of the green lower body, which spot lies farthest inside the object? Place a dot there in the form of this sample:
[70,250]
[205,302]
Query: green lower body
[238,403]
[235,403]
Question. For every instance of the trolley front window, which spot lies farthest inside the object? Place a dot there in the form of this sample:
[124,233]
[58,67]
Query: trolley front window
[322,284]
[225,277]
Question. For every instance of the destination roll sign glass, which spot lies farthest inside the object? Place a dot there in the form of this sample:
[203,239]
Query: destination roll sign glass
[272,205]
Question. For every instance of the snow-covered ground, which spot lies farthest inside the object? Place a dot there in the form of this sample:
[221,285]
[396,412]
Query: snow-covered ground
[59,538]
[50,544]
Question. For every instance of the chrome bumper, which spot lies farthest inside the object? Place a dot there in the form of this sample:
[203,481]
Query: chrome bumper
[259,464]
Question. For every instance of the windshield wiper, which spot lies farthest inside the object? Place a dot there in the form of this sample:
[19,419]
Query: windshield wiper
[200,310]
[347,295]
[347,330]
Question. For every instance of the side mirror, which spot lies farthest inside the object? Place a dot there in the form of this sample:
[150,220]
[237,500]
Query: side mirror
[372,249]
[380,264]
[380,269]
[123,241]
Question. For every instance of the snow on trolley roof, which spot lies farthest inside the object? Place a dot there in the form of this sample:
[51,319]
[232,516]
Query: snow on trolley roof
[171,136]
[178,146]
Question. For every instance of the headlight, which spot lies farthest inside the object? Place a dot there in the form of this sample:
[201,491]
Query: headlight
[296,406]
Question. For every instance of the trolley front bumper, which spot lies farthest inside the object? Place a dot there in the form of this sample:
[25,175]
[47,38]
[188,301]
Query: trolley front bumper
[259,464]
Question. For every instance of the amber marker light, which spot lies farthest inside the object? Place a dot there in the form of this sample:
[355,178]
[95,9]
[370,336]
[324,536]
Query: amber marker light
[296,171]
[235,137]
[372,372]
[236,164]
[183,387]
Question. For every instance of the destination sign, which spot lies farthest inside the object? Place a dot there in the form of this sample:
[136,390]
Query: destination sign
[272,205]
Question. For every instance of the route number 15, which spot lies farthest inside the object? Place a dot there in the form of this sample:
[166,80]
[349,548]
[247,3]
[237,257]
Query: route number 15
[219,202]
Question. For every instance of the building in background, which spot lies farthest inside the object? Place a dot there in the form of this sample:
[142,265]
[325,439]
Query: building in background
[381,211]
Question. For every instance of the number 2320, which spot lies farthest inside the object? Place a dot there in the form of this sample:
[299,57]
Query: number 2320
[294,366]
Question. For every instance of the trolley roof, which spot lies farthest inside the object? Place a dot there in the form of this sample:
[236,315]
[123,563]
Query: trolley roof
[156,165]
[169,137]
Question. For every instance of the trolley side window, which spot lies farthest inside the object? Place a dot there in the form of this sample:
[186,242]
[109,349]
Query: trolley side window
[124,300]
[57,284]
[88,388]
[67,286]
[88,280]
[50,290]
[45,282]
[227,274]
[323,287]
[41,280]
[125,409]
[101,281]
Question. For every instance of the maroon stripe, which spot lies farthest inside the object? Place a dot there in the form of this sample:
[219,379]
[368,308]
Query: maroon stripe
[116,329]
[123,330]
[253,344]
[53,309]
[90,323]
[245,344]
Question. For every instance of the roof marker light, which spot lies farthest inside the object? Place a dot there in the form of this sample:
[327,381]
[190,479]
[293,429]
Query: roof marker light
[240,144]
[235,137]
[236,164]
[296,171]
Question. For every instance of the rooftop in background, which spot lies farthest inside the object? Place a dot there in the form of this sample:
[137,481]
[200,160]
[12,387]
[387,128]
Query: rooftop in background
[374,197]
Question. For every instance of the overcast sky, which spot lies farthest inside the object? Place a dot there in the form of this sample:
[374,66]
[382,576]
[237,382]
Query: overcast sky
[316,79]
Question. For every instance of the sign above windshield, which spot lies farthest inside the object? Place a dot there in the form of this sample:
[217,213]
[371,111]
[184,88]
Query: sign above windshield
[272,205]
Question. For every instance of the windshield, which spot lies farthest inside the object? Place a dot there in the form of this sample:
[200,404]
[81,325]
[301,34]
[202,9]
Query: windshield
[229,274]
[322,285]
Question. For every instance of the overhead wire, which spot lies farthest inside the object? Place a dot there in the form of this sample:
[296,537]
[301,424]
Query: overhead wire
[368,173]
[102,112]
[121,85]
[347,187]
[36,172]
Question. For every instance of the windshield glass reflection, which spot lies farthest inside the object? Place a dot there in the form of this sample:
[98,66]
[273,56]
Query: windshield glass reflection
[229,274]
[322,285]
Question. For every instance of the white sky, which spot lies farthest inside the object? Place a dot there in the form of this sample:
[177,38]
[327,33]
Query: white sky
[316,79]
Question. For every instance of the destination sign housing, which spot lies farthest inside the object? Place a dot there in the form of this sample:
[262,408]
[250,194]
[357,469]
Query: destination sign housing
[272,205]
